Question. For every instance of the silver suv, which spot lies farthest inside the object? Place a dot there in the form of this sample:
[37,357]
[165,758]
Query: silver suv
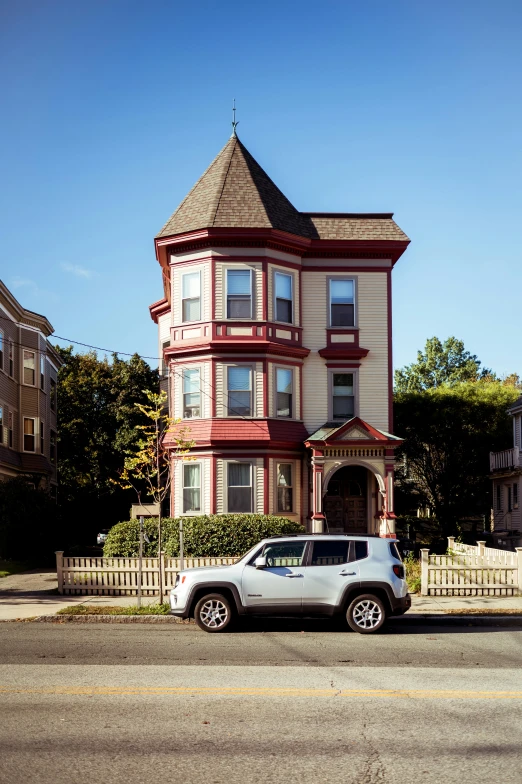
[359,577]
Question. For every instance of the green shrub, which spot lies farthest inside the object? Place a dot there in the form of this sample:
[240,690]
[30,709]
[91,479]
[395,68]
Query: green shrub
[206,535]
[412,566]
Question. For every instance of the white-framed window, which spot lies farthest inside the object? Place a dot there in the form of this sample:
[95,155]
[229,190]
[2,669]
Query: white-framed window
[2,349]
[11,358]
[191,487]
[239,487]
[239,390]
[283,297]
[42,370]
[342,302]
[191,393]
[343,396]
[29,368]
[29,434]
[191,296]
[239,293]
[284,388]
[285,490]
[42,442]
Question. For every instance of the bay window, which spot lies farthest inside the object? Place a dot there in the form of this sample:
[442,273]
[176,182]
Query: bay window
[239,293]
[343,398]
[283,297]
[239,390]
[191,393]
[239,487]
[191,296]
[342,303]
[192,487]
[284,392]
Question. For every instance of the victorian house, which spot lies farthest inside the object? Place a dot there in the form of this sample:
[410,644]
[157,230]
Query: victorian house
[275,330]
[28,375]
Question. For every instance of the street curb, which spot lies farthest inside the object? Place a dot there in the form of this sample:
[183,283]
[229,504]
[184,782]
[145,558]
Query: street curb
[421,619]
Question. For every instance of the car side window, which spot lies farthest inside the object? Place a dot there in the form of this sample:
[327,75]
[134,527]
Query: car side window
[284,554]
[358,550]
[329,553]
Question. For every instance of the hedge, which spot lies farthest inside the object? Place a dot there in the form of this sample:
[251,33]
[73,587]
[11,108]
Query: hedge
[205,535]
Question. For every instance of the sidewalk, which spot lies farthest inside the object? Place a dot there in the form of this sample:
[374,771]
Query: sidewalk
[34,593]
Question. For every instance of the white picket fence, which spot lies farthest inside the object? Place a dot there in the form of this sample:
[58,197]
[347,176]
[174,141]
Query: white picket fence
[119,576]
[469,570]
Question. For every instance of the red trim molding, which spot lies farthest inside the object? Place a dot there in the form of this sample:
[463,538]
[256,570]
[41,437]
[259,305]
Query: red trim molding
[344,352]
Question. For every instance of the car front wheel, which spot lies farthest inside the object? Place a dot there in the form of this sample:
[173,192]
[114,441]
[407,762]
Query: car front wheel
[366,614]
[213,613]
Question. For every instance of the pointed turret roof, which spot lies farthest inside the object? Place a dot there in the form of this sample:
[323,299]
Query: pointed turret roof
[235,192]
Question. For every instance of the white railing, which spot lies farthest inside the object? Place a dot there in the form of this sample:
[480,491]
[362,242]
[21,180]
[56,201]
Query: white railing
[509,458]
[471,571]
[119,576]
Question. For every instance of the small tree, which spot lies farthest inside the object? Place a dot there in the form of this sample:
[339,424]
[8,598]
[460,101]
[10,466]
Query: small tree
[148,468]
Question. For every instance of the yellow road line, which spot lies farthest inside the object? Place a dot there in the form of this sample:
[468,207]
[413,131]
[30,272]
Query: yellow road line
[115,691]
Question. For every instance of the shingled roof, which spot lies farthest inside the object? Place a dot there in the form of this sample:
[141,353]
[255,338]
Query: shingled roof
[235,192]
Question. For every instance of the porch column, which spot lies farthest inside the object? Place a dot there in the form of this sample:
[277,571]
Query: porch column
[318,517]
[387,526]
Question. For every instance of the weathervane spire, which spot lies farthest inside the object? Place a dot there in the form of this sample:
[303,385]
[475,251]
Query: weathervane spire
[234,123]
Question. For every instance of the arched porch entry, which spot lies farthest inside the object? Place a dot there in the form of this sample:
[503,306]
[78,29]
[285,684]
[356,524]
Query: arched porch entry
[351,500]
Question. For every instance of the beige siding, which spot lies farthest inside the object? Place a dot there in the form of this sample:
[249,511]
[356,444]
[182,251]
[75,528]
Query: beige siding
[373,335]
[271,294]
[272,505]
[220,286]
[176,391]
[220,486]
[205,485]
[258,386]
[297,393]
[259,496]
[220,389]
[164,328]
[271,390]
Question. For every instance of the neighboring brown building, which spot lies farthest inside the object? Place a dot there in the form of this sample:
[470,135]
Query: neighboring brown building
[506,473]
[28,375]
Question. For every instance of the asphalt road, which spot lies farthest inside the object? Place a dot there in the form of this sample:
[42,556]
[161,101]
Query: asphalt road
[306,702]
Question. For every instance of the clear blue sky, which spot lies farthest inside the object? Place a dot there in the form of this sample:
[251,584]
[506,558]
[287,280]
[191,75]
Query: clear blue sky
[111,109]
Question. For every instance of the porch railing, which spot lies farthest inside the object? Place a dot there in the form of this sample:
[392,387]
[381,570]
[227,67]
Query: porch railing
[509,458]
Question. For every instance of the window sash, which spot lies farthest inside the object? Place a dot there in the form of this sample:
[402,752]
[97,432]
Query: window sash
[29,368]
[191,296]
[239,293]
[42,371]
[284,297]
[285,491]
[343,397]
[342,303]
[284,389]
[239,391]
[29,435]
[192,487]
[191,393]
[239,487]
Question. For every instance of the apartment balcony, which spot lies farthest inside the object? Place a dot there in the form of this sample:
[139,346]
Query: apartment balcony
[255,336]
[508,460]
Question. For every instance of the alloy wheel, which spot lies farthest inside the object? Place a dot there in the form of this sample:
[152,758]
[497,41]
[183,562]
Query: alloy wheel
[214,614]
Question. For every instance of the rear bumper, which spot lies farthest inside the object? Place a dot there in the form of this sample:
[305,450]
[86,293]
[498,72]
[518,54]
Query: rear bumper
[400,605]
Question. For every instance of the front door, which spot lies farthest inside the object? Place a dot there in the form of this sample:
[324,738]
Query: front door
[280,584]
[345,503]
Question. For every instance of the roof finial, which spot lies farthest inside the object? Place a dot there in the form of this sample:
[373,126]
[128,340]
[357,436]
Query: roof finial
[234,123]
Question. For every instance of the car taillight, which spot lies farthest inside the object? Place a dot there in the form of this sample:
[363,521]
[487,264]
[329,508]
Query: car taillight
[398,570]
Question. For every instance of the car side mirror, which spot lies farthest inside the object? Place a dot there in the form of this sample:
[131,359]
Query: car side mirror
[260,562]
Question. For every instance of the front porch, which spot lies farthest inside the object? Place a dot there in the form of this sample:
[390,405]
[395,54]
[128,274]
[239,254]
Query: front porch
[352,479]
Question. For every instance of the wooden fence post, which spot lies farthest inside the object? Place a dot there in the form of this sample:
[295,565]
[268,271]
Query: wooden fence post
[424,572]
[59,569]
[451,542]
[519,568]
[481,546]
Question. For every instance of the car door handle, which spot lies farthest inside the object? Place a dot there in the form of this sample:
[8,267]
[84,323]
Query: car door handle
[293,575]
[348,574]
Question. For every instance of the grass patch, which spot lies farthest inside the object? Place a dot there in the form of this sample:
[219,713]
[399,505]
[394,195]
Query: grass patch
[96,609]
[14,567]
